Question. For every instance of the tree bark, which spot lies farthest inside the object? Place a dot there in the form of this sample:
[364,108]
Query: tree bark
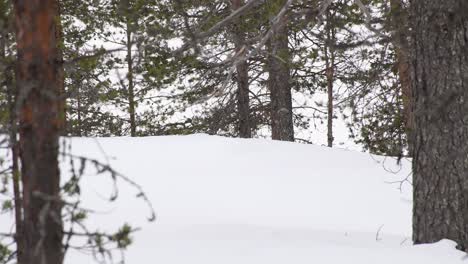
[39,127]
[78,111]
[242,69]
[10,92]
[60,71]
[279,81]
[439,64]
[330,74]
[15,166]
[131,88]
[19,234]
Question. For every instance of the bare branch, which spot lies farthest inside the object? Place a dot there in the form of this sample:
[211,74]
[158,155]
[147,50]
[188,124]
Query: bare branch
[234,15]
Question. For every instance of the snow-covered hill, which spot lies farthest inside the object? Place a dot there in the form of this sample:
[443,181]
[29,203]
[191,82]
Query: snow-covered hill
[222,200]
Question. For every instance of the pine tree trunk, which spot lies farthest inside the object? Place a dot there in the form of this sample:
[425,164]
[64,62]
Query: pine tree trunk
[131,92]
[330,74]
[15,169]
[440,96]
[60,71]
[242,69]
[13,129]
[38,96]
[79,110]
[279,81]
[330,137]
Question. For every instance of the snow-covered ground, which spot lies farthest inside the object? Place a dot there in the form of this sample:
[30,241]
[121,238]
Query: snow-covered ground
[221,200]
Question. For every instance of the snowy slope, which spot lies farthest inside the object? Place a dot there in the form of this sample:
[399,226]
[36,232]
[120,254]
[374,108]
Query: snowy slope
[222,200]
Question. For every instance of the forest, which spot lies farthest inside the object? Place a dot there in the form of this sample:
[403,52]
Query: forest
[384,77]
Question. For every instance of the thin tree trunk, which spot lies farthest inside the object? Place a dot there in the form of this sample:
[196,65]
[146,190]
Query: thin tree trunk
[60,71]
[330,74]
[399,20]
[242,69]
[15,170]
[78,100]
[8,80]
[39,98]
[440,85]
[131,93]
[279,81]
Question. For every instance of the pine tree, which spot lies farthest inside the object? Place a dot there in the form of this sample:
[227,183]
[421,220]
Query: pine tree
[87,84]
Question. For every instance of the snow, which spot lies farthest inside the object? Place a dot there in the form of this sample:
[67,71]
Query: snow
[221,200]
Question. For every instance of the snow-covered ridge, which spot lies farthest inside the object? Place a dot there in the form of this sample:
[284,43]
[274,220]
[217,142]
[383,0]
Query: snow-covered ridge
[221,200]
